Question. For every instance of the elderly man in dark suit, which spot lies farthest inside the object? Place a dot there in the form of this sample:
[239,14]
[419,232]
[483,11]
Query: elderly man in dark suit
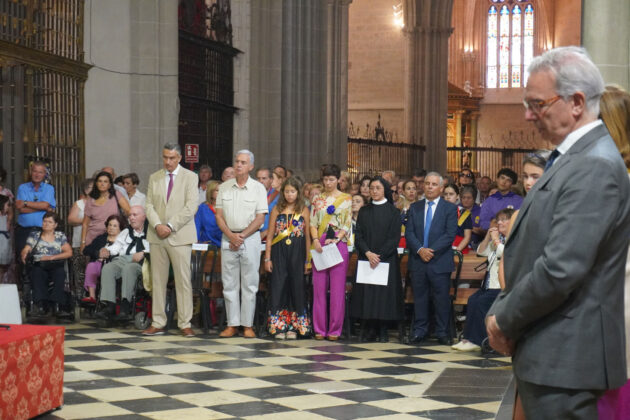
[561,313]
[430,231]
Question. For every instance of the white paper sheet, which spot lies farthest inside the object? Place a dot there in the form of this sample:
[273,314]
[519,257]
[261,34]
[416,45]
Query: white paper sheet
[329,257]
[377,276]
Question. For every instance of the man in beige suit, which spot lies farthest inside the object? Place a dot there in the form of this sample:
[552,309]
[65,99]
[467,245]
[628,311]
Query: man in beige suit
[171,204]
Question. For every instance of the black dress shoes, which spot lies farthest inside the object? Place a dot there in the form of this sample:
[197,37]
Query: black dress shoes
[445,340]
[416,339]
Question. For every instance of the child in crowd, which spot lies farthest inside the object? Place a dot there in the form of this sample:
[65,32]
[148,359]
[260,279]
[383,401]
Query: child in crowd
[285,258]
[464,221]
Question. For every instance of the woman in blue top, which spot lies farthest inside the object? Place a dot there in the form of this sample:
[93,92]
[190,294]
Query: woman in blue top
[205,220]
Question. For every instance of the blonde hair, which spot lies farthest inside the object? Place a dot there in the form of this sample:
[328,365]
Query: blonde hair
[615,111]
[210,187]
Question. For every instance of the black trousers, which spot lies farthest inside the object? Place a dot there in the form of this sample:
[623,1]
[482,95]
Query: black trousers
[41,277]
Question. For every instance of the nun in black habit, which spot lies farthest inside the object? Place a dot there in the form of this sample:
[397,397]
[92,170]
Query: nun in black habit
[376,240]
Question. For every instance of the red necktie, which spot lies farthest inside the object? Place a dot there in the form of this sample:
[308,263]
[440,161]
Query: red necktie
[170,186]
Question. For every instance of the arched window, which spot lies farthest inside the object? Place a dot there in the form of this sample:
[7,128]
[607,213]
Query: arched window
[510,43]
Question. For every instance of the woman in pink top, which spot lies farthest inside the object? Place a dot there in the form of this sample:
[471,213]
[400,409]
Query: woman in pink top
[103,202]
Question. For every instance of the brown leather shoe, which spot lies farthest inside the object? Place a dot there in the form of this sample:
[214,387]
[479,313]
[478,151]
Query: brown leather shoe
[319,337]
[248,332]
[153,331]
[333,337]
[229,332]
[188,332]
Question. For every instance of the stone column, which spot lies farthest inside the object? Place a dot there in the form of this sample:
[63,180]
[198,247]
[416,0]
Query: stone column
[303,107]
[474,120]
[427,28]
[337,82]
[609,49]
[131,95]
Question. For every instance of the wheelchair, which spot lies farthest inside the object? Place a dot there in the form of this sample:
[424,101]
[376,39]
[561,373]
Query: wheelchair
[68,310]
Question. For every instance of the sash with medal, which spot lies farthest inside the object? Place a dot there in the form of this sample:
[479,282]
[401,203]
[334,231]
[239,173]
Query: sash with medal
[285,233]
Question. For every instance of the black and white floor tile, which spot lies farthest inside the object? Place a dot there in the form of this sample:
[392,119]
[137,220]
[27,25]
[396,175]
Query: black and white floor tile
[119,374]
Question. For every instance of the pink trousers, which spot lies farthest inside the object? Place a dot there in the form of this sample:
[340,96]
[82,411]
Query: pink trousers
[92,271]
[333,279]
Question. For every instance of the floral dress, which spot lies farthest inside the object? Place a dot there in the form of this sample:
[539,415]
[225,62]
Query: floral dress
[288,309]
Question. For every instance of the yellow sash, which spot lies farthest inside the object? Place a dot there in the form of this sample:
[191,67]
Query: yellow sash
[463,217]
[285,233]
[323,224]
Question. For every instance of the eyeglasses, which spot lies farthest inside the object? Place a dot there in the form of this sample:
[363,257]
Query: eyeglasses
[536,105]
[468,175]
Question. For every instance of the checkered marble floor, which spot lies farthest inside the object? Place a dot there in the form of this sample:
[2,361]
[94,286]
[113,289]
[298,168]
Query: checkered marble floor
[118,374]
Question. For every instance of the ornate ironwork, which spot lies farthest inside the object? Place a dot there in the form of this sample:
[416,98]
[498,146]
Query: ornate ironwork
[209,19]
[378,132]
[42,77]
[371,157]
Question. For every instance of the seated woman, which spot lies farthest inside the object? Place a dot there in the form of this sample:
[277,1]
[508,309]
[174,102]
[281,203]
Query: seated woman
[205,221]
[98,255]
[479,303]
[49,249]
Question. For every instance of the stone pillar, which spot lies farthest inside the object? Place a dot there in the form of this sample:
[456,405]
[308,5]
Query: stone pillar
[427,28]
[609,49]
[131,95]
[474,120]
[265,87]
[303,107]
[337,82]
[458,128]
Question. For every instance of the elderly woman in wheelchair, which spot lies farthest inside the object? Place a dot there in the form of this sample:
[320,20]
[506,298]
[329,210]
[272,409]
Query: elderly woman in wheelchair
[45,255]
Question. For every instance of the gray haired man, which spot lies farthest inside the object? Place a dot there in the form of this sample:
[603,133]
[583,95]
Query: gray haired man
[241,207]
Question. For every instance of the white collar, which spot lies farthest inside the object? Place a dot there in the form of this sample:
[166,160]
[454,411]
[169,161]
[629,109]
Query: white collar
[435,201]
[379,202]
[574,136]
[174,172]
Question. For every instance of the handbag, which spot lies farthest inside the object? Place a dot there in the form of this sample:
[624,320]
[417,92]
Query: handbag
[30,257]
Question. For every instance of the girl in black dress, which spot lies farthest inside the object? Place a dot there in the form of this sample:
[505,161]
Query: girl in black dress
[376,240]
[285,258]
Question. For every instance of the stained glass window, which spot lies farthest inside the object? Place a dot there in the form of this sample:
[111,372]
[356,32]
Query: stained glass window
[510,43]
[492,48]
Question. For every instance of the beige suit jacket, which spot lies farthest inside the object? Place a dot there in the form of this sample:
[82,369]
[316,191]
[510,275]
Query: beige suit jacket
[179,211]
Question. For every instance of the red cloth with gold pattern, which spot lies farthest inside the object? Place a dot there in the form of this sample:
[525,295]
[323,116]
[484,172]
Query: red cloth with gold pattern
[31,370]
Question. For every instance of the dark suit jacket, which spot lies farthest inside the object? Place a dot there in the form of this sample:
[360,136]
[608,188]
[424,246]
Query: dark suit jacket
[441,236]
[564,271]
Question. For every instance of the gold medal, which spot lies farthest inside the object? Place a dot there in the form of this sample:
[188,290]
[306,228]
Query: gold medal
[288,242]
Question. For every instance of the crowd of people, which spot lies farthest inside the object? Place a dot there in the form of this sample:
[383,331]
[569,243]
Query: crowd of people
[116,229]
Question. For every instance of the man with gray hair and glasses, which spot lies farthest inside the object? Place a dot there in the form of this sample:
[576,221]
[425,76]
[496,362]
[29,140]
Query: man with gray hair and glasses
[241,207]
[171,206]
[561,314]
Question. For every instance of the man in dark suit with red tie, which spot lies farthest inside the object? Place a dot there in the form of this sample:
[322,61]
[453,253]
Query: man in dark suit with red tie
[430,232]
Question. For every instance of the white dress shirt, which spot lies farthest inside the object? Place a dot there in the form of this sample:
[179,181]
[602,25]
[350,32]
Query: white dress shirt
[573,137]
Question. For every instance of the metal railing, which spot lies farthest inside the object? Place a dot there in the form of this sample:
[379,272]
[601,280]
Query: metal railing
[371,157]
[485,160]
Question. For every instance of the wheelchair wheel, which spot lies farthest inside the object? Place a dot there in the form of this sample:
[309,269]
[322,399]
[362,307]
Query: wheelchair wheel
[141,321]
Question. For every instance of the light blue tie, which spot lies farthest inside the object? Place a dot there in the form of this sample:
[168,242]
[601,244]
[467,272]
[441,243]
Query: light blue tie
[427,224]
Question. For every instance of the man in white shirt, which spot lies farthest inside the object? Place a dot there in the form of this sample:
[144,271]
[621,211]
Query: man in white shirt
[241,208]
[128,255]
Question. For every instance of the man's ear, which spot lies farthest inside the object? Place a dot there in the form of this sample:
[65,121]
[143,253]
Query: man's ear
[579,104]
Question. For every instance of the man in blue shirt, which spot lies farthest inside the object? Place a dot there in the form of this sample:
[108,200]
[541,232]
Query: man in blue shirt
[503,198]
[33,200]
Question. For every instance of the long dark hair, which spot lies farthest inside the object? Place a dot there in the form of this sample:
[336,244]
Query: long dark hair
[95,193]
[299,201]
